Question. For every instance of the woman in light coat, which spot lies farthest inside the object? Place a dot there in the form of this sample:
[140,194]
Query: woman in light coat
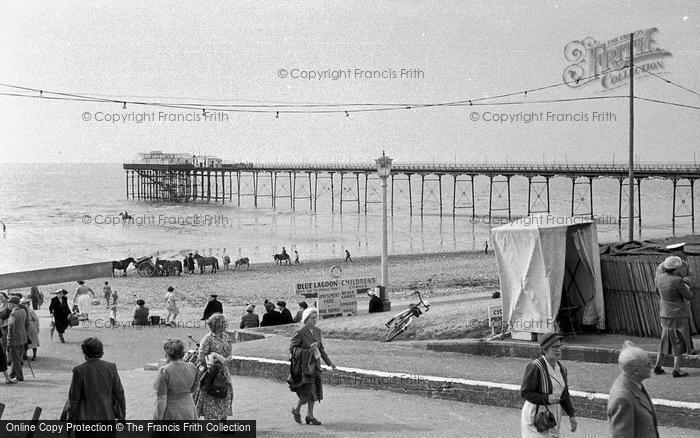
[33,332]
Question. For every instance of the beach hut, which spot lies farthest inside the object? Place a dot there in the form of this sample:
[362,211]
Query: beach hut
[549,273]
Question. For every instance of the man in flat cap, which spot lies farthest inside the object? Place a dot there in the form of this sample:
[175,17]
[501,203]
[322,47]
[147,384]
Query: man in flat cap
[630,410]
[673,289]
[17,329]
[213,306]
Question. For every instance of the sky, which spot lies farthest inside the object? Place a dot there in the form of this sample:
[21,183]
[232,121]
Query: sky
[261,53]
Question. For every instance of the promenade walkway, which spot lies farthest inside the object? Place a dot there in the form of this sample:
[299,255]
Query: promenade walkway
[486,380]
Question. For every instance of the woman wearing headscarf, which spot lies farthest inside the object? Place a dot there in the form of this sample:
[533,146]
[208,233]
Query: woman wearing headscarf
[545,387]
[176,383]
[306,350]
[214,352]
[60,311]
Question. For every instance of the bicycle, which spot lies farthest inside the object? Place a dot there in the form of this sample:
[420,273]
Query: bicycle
[192,354]
[402,320]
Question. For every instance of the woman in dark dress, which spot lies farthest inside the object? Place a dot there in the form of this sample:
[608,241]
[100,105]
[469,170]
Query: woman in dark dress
[60,311]
[306,349]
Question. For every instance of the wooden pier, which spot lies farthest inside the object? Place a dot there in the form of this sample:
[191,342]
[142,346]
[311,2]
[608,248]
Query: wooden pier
[298,184]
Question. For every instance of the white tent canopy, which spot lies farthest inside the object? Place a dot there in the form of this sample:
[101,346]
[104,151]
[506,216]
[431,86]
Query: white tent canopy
[546,263]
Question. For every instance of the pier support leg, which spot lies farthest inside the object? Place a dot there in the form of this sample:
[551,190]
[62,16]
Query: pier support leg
[341,192]
[357,192]
[440,192]
[422,192]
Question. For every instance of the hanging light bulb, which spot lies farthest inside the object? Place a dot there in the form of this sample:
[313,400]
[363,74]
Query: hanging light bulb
[41,93]
[204,111]
[347,114]
[277,116]
[124,107]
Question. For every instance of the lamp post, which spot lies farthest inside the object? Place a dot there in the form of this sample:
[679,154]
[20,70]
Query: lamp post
[384,170]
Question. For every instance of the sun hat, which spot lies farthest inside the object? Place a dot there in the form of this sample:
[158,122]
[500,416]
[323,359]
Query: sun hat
[25,300]
[308,313]
[672,262]
[170,289]
[547,339]
[13,299]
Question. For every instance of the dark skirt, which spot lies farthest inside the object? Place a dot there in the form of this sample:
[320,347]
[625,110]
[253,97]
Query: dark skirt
[311,391]
[675,336]
[3,360]
[61,324]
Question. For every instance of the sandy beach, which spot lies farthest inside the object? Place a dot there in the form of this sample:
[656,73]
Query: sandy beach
[452,273]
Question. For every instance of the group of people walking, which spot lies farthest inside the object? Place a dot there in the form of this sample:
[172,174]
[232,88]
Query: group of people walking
[187,391]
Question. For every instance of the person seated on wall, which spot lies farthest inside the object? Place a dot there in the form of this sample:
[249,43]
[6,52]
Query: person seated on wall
[375,303]
[141,313]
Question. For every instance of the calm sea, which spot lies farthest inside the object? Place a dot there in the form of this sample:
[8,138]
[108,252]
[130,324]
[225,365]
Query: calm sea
[58,215]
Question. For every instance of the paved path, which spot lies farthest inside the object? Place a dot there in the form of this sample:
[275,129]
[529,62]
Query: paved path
[583,376]
[348,412]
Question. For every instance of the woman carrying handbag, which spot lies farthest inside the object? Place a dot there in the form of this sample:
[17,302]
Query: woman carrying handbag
[546,391]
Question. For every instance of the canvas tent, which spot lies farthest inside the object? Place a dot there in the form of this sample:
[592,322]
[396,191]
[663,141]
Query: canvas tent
[546,264]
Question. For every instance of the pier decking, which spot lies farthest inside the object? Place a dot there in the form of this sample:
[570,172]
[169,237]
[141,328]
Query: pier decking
[299,183]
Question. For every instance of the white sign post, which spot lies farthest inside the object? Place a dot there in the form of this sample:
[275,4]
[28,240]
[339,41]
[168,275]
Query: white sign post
[495,317]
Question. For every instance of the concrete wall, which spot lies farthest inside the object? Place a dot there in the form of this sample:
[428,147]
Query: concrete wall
[63,274]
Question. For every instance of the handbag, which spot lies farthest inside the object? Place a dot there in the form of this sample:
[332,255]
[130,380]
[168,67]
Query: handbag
[214,382]
[73,320]
[544,420]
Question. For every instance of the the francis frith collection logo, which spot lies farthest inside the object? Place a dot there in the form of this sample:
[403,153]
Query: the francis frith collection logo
[594,62]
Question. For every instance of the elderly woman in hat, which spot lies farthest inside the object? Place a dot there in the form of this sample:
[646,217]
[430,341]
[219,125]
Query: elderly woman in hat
[545,387]
[250,318]
[60,311]
[674,289]
[214,352]
[306,350]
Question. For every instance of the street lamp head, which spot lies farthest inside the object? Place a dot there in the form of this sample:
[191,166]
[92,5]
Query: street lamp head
[384,166]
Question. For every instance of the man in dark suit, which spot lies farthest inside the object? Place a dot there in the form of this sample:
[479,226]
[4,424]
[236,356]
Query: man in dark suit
[96,391]
[17,328]
[630,410]
[213,306]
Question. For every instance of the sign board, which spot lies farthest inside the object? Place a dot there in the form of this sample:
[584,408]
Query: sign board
[495,316]
[341,303]
[311,289]
[336,297]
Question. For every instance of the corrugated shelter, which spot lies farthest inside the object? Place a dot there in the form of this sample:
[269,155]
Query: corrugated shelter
[549,270]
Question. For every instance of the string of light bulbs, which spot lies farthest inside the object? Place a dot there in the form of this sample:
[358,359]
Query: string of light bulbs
[320,108]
